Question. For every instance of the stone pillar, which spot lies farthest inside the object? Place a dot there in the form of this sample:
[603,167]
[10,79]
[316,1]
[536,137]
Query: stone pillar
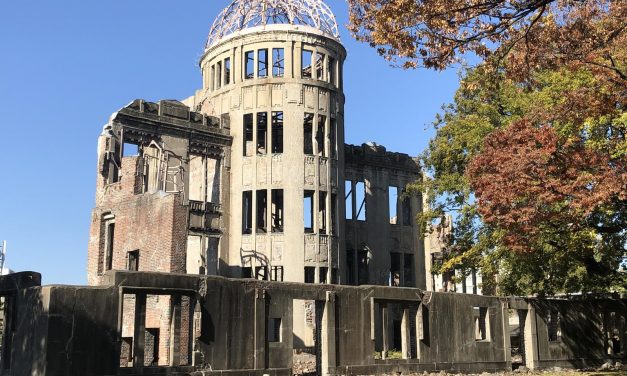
[260,329]
[406,335]
[507,344]
[328,334]
[175,330]
[139,335]
[531,339]
[385,330]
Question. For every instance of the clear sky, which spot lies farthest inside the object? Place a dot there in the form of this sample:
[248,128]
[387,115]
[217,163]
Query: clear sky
[65,66]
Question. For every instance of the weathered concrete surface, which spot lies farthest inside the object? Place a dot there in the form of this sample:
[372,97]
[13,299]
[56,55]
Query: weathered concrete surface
[76,330]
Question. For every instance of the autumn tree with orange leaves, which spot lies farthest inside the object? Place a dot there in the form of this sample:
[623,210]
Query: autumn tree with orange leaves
[531,154]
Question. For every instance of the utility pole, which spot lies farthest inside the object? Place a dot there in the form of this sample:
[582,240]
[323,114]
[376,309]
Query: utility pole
[3,253]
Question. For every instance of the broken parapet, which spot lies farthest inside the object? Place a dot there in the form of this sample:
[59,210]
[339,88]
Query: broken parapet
[376,155]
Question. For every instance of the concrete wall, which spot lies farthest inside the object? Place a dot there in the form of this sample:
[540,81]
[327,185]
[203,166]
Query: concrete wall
[76,330]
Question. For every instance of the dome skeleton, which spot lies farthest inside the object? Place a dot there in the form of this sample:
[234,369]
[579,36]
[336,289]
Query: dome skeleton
[243,14]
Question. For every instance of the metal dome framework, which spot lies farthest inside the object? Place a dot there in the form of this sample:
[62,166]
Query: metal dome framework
[243,14]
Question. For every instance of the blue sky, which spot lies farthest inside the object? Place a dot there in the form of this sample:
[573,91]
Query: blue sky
[65,66]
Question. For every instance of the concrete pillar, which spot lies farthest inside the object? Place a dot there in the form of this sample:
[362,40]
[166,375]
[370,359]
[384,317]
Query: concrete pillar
[139,336]
[385,330]
[406,335]
[531,339]
[507,344]
[260,329]
[175,330]
[328,335]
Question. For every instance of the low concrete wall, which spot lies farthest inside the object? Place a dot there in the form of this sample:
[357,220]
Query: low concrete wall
[243,326]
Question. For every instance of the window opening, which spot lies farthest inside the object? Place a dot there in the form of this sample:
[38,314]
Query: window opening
[213,77]
[324,271]
[350,267]
[262,63]
[331,69]
[249,68]
[334,274]
[262,207]
[262,132]
[277,132]
[306,58]
[362,267]
[227,71]
[322,212]
[278,62]
[553,326]
[408,270]
[277,210]
[406,203]
[130,150]
[308,211]
[308,134]
[248,135]
[247,212]
[319,66]
[333,213]
[247,272]
[133,260]
[218,74]
[481,323]
[110,235]
[274,330]
[395,269]
[360,197]
[261,273]
[348,187]
[277,273]
[393,202]
[320,136]
[310,274]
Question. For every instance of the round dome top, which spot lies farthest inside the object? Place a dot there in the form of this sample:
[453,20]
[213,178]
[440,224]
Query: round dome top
[244,14]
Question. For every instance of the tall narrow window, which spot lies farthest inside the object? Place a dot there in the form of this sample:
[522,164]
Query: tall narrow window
[248,135]
[331,70]
[395,269]
[249,62]
[408,270]
[406,203]
[310,274]
[362,267]
[109,238]
[213,77]
[277,132]
[360,197]
[324,274]
[306,58]
[247,212]
[227,71]
[218,74]
[262,132]
[322,212]
[278,62]
[393,202]
[553,326]
[133,260]
[262,63]
[277,210]
[350,267]
[333,214]
[333,137]
[276,274]
[308,210]
[274,330]
[262,207]
[319,66]
[482,325]
[320,136]
[308,134]
[348,189]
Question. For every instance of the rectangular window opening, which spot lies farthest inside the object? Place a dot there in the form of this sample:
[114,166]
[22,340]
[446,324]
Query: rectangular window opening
[278,62]
[213,77]
[262,63]
[334,214]
[350,267]
[248,135]
[362,267]
[348,189]
[249,64]
[247,272]
[306,59]
[261,273]
[227,71]
[274,329]
[308,134]
[321,136]
[324,271]
[393,204]
[109,238]
[308,212]
[262,132]
[319,66]
[247,212]
[408,270]
[310,274]
[218,74]
[277,273]
[130,150]
[333,138]
[360,198]
[277,132]
[406,203]
[395,269]
[133,260]
[331,70]
[553,326]
[322,212]
[277,210]
[262,207]
[482,325]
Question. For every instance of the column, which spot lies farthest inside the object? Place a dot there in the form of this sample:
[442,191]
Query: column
[328,334]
